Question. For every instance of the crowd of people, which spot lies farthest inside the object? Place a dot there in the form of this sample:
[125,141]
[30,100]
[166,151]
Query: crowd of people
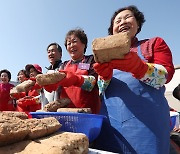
[128,91]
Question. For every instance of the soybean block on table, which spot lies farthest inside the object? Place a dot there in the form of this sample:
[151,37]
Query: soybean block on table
[14,129]
[58,143]
[54,105]
[76,110]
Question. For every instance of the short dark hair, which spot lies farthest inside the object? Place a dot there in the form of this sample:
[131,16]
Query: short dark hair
[80,34]
[137,14]
[6,71]
[57,46]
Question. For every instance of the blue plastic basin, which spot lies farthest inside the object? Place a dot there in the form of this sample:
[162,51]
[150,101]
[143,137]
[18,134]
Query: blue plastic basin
[89,124]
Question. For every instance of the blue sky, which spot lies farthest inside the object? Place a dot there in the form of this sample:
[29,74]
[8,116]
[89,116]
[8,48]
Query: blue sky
[28,26]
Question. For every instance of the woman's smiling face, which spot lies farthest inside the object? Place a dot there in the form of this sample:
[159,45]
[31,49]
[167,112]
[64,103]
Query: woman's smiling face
[75,47]
[4,77]
[125,22]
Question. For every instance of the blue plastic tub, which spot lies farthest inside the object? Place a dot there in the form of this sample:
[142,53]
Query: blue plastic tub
[89,124]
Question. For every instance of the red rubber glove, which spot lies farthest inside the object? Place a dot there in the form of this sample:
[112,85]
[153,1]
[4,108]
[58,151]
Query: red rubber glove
[104,70]
[28,100]
[18,95]
[131,63]
[71,79]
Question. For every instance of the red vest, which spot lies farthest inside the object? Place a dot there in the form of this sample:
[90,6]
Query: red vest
[79,97]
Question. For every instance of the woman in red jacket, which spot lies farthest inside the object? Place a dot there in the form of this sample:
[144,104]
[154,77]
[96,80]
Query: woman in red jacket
[134,101]
[6,103]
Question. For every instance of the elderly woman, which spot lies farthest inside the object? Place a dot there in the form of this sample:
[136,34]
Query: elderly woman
[134,102]
[79,85]
[6,103]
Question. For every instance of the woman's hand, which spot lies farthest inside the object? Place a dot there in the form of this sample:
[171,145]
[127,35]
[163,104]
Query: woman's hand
[104,70]
[131,63]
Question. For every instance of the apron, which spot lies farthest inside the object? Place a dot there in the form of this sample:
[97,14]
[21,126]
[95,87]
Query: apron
[138,117]
[79,97]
